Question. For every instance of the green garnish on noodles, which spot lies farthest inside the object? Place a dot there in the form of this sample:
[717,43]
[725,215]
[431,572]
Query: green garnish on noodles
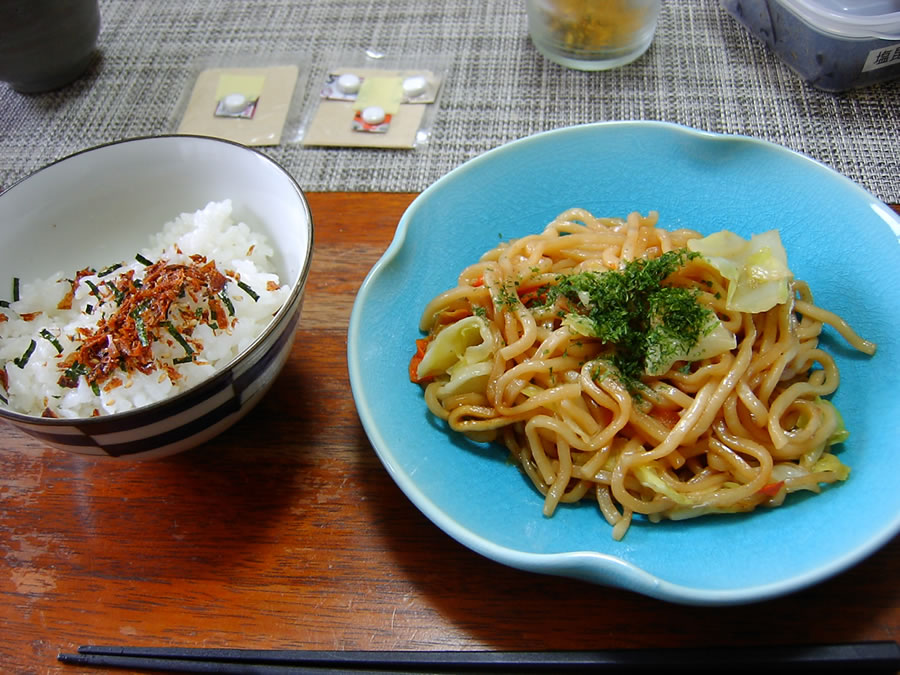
[644,322]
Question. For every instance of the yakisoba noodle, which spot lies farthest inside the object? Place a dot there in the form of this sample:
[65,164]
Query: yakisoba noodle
[509,357]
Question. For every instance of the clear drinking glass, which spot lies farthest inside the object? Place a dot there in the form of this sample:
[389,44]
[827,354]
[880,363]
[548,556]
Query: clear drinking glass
[592,34]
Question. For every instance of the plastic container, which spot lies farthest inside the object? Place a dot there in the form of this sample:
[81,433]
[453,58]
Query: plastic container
[833,45]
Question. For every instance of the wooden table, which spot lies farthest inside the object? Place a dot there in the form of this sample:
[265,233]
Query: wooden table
[287,532]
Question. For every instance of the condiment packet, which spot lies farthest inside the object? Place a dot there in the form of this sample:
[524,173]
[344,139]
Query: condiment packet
[374,101]
[246,99]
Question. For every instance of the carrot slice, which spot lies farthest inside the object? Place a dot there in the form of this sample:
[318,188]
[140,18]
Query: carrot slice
[421,345]
[771,489]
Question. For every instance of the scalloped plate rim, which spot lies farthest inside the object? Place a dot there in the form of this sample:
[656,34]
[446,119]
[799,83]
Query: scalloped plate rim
[590,565]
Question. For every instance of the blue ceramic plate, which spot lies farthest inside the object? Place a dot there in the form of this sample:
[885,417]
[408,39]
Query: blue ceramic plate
[839,238]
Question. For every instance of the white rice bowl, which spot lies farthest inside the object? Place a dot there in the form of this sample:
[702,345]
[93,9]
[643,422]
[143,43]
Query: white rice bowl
[33,386]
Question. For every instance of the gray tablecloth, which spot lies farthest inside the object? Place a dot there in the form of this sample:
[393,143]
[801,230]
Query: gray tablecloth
[703,70]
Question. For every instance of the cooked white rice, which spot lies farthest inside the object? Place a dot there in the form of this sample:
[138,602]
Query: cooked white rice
[239,253]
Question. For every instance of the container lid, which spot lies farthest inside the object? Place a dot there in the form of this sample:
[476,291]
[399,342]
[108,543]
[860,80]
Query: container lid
[862,19]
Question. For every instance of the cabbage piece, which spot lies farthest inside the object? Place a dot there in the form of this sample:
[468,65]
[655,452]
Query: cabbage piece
[466,378]
[829,462]
[467,341]
[716,339]
[687,512]
[840,433]
[580,325]
[662,351]
[648,476]
[757,270]
[685,505]
[785,470]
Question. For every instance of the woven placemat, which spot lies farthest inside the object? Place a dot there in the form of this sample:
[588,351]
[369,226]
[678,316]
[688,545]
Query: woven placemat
[703,70]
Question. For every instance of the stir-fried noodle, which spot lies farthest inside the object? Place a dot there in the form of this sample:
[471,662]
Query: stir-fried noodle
[661,395]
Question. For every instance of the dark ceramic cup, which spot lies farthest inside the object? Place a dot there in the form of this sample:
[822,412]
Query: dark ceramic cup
[46,44]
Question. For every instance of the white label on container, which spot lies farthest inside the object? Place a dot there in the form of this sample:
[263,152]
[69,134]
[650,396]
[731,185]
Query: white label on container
[882,58]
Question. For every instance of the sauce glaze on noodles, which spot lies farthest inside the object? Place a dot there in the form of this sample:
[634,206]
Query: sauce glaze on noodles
[720,435]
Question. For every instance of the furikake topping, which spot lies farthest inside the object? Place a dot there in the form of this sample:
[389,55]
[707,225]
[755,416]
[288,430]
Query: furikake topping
[253,294]
[22,360]
[109,270]
[223,296]
[94,290]
[635,313]
[116,291]
[49,337]
[179,338]
[140,328]
[123,340]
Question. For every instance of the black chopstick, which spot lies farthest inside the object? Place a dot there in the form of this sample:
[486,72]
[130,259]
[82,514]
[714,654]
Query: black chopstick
[859,656]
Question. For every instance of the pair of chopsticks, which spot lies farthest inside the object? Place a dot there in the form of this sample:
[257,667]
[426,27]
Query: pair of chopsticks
[866,657]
